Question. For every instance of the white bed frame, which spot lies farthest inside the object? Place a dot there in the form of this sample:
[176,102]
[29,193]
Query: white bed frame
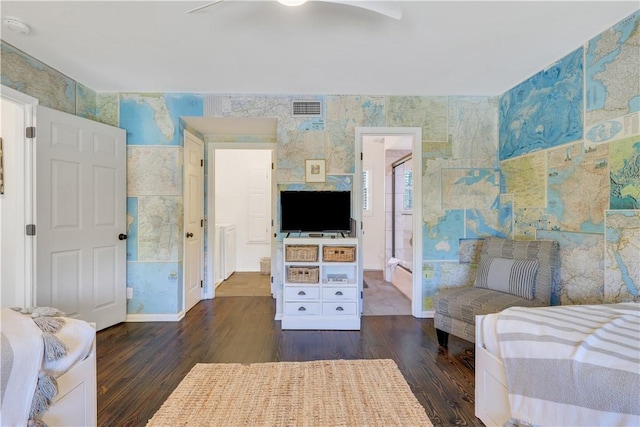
[492,401]
[76,403]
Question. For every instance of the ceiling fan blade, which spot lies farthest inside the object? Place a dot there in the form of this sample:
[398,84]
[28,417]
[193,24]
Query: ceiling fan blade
[204,6]
[389,9]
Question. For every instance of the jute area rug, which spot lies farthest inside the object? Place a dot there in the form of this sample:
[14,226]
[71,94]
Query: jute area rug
[321,393]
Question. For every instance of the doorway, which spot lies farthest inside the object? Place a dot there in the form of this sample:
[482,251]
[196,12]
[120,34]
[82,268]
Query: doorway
[16,198]
[81,198]
[242,211]
[243,135]
[390,231]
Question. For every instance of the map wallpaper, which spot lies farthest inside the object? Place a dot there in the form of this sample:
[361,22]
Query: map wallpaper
[555,157]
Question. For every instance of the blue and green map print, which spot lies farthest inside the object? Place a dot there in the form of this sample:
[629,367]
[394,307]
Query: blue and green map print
[545,110]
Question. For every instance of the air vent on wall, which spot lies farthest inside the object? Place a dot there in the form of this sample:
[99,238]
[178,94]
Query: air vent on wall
[306,108]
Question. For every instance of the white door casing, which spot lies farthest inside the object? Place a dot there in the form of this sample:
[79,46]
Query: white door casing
[416,135]
[193,219]
[14,219]
[80,217]
[213,256]
[12,206]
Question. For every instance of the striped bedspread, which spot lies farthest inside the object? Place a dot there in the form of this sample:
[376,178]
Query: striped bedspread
[572,365]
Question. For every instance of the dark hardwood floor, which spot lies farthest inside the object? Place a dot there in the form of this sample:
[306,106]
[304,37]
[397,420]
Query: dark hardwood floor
[140,364]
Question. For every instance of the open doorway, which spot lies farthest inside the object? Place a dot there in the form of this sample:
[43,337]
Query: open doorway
[230,236]
[16,199]
[242,204]
[391,221]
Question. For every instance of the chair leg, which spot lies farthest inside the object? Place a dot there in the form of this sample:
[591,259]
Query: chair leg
[443,338]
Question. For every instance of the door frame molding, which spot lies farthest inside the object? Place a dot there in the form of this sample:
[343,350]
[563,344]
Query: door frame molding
[416,134]
[28,104]
[210,208]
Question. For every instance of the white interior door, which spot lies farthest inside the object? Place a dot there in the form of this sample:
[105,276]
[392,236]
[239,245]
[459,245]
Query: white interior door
[80,217]
[193,219]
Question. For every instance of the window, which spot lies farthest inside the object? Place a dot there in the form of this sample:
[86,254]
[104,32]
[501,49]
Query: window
[408,191]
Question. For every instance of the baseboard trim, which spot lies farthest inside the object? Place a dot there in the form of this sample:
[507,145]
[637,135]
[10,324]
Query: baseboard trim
[428,314]
[133,318]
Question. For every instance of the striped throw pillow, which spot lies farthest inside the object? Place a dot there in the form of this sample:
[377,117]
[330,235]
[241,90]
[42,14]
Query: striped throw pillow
[513,276]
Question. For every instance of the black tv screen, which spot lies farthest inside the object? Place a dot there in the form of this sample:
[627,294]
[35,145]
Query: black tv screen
[315,211]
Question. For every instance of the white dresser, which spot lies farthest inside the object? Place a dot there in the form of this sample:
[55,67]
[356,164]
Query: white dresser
[322,287]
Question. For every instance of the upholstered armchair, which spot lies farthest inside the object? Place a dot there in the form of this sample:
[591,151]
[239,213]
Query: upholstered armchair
[510,273]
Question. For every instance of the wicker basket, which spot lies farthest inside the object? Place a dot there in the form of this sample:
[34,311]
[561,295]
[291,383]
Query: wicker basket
[338,253]
[304,253]
[303,274]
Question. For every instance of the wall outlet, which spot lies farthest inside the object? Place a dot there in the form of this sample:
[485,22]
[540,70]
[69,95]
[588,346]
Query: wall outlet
[129,292]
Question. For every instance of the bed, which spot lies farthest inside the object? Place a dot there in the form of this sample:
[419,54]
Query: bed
[559,366]
[37,348]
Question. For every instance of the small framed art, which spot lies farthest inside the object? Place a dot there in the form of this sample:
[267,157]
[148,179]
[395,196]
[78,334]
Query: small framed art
[315,171]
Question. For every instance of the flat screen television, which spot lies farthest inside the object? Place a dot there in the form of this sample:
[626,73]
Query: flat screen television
[315,211]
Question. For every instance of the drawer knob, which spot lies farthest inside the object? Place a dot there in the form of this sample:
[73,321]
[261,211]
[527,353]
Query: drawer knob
[339,308]
[302,309]
[302,293]
[339,293]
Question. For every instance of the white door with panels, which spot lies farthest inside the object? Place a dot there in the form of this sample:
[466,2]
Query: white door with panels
[80,217]
[193,219]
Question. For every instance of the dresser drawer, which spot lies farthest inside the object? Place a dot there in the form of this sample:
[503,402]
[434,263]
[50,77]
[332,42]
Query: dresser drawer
[340,294]
[302,308]
[295,293]
[339,308]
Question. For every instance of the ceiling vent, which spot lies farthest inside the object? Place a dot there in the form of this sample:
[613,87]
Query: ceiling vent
[306,108]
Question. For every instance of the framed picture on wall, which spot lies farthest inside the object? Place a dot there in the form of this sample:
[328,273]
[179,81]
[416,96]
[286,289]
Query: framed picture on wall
[315,171]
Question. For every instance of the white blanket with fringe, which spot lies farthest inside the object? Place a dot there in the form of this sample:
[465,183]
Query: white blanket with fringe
[22,354]
[77,336]
[29,354]
[572,365]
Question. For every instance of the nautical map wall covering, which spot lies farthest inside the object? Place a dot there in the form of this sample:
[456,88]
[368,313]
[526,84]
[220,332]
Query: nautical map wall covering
[585,191]
[555,157]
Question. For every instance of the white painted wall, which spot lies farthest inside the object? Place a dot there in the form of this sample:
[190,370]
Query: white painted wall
[234,202]
[12,208]
[373,239]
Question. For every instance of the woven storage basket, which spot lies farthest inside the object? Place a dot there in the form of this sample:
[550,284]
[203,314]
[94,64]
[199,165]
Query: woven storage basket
[339,253]
[306,253]
[303,274]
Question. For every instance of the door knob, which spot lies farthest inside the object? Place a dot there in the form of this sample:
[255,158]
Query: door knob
[122,236]
[189,235]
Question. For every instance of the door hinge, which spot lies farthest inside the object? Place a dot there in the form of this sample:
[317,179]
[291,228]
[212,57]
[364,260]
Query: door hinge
[272,166]
[361,295]
[201,163]
[31,229]
[202,223]
[201,284]
[272,223]
[361,156]
[31,132]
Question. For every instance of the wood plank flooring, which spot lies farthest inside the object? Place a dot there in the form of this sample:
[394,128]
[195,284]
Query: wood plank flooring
[140,364]
[245,284]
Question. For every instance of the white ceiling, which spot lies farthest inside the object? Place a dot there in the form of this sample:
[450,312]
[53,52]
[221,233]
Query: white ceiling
[438,48]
